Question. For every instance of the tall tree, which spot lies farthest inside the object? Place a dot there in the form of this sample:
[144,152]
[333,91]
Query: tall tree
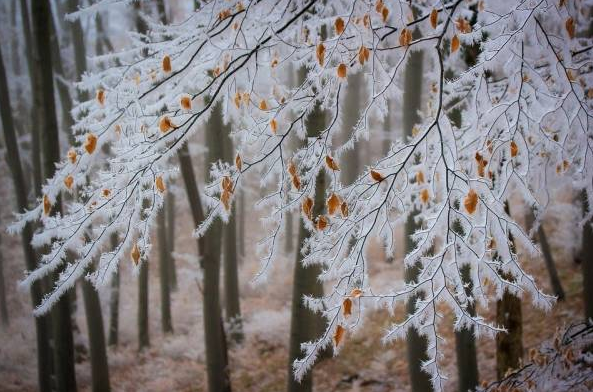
[3,307]
[13,159]
[143,324]
[305,325]
[231,278]
[586,257]
[412,101]
[61,321]
[165,281]
[171,211]
[114,302]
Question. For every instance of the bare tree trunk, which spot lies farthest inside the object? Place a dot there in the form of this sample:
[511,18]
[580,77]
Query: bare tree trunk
[242,216]
[509,345]
[3,307]
[114,302]
[216,350]
[412,101]
[171,240]
[61,321]
[42,329]
[166,322]
[351,159]
[305,325]
[143,325]
[587,260]
[231,278]
[94,319]
[465,343]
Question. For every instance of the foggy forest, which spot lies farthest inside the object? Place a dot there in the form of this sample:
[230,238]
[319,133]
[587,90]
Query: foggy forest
[296,195]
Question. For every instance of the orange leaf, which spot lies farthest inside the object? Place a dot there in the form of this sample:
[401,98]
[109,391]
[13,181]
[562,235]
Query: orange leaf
[434,18]
[160,184]
[347,307]
[420,177]
[471,201]
[385,14]
[68,181]
[167,64]
[292,170]
[263,105]
[321,222]
[339,25]
[72,156]
[366,20]
[514,149]
[101,96]
[46,205]
[227,184]
[165,124]
[405,37]
[379,6]
[320,53]
[338,335]
[454,44]
[225,199]
[296,182]
[424,195]
[344,209]
[342,70]
[185,102]
[135,254]
[331,163]
[570,29]
[237,99]
[308,208]
[91,143]
[363,55]
[377,176]
[273,125]
[333,204]
[355,293]
[106,192]
[238,162]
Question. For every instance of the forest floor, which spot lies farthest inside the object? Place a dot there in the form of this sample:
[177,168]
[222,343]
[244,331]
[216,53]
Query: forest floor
[176,362]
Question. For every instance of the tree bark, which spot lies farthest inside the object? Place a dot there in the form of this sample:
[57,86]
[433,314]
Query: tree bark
[351,108]
[114,303]
[509,345]
[305,325]
[171,240]
[61,321]
[587,260]
[216,351]
[94,319]
[3,307]
[465,344]
[417,344]
[231,278]
[143,325]
[44,353]
[166,322]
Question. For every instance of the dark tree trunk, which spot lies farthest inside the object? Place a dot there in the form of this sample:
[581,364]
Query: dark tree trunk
[231,278]
[509,345]
[305,325]
[114,303]
[61,321]
[143,325]
[412,101]
[350,167]
[3,307]
[94,319]
[171,239]
[242,217]
[44,353]
[587,260]
[166,322]
[465,344]
[216,351]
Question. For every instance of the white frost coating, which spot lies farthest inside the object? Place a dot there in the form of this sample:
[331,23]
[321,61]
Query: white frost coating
[529,89]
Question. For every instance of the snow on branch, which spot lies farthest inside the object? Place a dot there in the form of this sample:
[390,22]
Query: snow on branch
[526,106]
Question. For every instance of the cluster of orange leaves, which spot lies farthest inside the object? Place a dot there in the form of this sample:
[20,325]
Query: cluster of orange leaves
[340,331]
[226,186]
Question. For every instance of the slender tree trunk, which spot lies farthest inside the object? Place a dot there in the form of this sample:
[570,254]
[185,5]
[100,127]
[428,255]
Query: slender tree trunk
[509,345]
[465,344]
[412,101]
[30,53]
[231,278]
[216,350]
[61,321]
[42,329]
[62,87]
[242,216]
[3,307]
[114,302]
[171,239]
[350,168]
[94,319]
[305,325]
[143,325]
[166,322]
[587,260]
